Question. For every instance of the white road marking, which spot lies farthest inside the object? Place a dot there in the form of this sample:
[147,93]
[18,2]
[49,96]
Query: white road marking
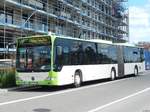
[119,100]
[60,92]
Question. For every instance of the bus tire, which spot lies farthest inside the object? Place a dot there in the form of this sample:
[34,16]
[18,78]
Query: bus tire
[136,71]
[113,74]
[77,79]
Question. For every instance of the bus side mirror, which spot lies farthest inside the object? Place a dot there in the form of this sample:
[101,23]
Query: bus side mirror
[59,50]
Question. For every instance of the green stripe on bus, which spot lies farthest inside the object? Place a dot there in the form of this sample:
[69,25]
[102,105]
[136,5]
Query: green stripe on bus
[54,77]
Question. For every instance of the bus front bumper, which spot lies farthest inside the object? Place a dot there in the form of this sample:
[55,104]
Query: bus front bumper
[40,83]
[51,80]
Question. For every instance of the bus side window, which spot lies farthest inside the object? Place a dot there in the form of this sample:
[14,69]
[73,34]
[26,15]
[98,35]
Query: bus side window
[66,55]
[59,55]
[74,53]
[89,54]
[59,50]
[142,55]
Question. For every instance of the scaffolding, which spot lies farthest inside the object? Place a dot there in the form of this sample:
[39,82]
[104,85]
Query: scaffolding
[87,19]
[121,13]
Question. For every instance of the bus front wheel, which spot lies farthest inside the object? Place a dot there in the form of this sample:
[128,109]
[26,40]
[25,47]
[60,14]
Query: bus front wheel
[77,79]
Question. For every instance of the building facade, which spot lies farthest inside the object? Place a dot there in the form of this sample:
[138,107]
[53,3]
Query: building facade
[87,19]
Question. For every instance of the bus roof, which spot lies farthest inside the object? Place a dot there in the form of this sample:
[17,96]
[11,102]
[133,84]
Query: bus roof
[128,45]
[71,38]
[90,40]
[101,41]
[33,36]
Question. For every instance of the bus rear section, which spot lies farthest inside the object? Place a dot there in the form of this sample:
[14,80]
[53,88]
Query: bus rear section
[130,60]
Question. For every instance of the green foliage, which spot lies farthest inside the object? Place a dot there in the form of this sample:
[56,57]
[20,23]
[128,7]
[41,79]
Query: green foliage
[7,77]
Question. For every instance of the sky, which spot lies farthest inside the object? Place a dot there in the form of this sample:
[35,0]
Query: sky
[139,20]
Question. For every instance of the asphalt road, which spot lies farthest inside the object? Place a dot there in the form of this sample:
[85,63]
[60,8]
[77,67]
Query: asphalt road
[131,94]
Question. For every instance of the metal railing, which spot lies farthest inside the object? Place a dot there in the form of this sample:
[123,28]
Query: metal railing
[7,63]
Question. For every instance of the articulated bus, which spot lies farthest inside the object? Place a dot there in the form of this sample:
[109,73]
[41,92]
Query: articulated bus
[54,60]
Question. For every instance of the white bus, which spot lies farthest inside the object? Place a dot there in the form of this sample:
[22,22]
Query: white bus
[52,60]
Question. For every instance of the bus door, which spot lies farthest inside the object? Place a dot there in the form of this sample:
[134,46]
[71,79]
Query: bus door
[120,61]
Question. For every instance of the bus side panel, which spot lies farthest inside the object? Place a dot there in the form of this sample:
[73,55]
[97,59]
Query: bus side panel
[142,67]
[65,76]
[89,73]
[94,72]
[129,68]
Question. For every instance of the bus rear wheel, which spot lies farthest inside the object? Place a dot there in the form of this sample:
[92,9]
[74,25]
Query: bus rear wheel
[136,71]
[113,74]
[77,79]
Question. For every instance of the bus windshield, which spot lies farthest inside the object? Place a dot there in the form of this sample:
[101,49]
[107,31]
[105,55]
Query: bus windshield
[33,58]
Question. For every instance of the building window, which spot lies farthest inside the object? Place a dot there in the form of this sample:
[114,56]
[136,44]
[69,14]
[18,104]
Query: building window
[2,16]
[9,16]
[24,19]
[102,8]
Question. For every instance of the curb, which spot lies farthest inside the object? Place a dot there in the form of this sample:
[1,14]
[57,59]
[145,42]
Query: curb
[3,91]
[22,88]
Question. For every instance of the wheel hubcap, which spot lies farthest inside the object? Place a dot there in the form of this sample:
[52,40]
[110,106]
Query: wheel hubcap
[112,75]
[136,72]
[77,80]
